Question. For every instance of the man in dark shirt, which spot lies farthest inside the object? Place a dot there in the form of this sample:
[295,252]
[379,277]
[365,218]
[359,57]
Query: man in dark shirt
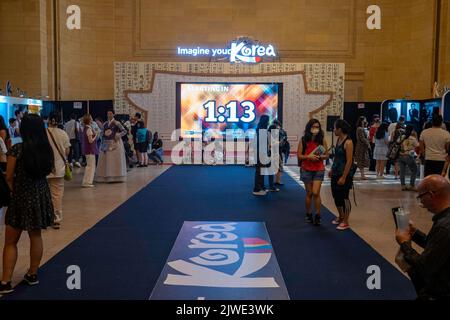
[430,271]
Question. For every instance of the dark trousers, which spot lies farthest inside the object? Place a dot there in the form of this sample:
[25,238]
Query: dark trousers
[407,161]
[259,180]
[373,162]
[389,163]
[433,167]
[74,154]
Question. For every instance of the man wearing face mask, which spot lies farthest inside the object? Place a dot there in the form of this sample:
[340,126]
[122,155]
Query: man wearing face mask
[430,271]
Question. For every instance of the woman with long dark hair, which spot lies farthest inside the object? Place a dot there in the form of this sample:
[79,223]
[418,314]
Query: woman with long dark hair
[362,146]
[407,158]
[381,149]
[31,207]
[312,151]
[341,174]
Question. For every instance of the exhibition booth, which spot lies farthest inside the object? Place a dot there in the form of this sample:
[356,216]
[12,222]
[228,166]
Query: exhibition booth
[8,105]
[225,100]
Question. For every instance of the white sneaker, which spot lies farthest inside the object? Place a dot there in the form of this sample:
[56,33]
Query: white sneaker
[77,164]
[259,193]
[87,186]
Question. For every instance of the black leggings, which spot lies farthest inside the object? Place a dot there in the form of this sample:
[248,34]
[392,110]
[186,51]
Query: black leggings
[341,194]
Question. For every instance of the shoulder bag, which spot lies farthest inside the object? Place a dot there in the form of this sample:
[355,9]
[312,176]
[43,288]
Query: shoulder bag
[68,168]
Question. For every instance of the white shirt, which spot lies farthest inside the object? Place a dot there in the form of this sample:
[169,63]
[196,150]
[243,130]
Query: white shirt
[62,143]
[70,128]
[435,140]
[391,129]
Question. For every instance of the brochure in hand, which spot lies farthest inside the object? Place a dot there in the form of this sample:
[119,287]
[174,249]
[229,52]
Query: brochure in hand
[319,151]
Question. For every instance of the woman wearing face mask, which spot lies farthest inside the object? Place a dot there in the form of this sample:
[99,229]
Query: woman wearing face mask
[362,146]
[312,151]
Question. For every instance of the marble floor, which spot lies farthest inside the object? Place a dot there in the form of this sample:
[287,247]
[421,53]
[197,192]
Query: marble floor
[371,219]
[82,209]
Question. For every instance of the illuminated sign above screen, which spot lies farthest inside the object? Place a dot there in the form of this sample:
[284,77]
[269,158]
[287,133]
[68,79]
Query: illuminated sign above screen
[245,51]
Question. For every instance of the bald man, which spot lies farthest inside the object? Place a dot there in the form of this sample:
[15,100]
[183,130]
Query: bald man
[430,271]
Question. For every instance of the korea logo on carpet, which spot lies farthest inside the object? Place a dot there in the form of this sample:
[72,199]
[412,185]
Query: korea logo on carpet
[221,261]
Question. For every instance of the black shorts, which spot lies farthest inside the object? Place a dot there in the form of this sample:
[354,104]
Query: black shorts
[142,147]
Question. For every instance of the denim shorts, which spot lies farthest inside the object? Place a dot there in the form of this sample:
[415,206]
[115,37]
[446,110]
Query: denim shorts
[310,176]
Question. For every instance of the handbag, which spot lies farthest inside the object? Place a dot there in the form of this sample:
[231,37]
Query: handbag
[68,168]
[393,151]
[395,147]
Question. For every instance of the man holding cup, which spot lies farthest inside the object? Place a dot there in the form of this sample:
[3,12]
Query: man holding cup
[430,271]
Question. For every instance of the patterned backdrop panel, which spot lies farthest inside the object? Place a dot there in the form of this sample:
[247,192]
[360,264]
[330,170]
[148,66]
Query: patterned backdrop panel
[309,89]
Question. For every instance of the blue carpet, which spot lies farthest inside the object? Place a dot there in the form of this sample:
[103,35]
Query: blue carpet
[122,256]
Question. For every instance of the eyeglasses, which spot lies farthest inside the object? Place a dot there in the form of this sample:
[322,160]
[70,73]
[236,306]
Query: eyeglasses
[317,127]
[421,195]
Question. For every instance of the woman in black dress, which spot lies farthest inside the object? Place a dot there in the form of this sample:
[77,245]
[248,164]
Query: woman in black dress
[31,207]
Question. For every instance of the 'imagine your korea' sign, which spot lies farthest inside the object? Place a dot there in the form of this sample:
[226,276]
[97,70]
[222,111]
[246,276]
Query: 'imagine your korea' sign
[221,261]
[239,51]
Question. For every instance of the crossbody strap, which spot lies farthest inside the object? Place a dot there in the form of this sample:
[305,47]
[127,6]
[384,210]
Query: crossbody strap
[56,146]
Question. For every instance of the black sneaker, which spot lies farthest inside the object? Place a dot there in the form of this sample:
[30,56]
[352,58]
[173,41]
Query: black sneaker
[309,217]
[279,184]
[6,288]
[317,220]
[31,279]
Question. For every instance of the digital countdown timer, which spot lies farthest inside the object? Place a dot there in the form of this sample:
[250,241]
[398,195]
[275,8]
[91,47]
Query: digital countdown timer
[231,116]
[221,108]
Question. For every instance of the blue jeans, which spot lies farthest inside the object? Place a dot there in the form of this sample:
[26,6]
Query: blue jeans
[407,160]
[156,156]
